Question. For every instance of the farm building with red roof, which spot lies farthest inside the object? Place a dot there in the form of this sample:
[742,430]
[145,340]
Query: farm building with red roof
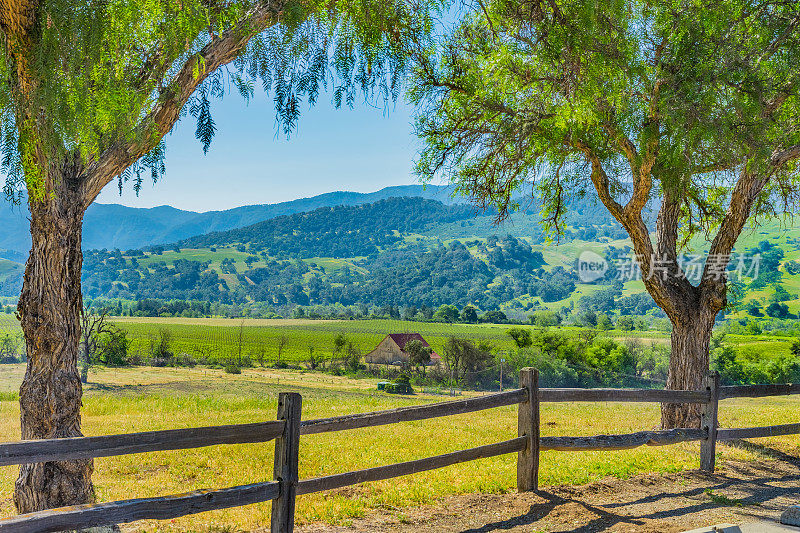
[391,350]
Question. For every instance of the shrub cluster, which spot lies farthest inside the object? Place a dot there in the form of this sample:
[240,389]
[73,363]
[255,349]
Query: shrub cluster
[747,365]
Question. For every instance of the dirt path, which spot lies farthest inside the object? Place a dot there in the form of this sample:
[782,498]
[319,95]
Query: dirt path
[738,493]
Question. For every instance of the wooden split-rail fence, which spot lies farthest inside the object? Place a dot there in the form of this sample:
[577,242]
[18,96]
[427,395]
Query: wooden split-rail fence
[289,426]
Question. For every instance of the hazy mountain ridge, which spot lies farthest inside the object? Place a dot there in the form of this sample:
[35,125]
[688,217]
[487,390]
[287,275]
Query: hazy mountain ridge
[113,226]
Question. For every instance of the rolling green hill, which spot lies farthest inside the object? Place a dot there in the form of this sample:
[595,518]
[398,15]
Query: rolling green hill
[407,255]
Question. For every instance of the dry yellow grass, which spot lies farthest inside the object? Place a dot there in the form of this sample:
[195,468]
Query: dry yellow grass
[140,399]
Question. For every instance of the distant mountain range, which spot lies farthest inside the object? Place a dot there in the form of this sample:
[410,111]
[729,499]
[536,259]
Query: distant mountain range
[113,226]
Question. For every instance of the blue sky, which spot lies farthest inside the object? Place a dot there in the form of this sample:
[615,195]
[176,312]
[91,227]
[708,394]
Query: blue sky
[363,149]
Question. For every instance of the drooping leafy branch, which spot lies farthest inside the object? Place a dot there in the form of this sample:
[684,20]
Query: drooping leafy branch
[103,82]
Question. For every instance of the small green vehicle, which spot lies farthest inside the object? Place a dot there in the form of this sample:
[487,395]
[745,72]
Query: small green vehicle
[401,385]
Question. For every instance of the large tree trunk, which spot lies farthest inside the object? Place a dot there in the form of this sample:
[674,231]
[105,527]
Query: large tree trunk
[50,308]
[688,366]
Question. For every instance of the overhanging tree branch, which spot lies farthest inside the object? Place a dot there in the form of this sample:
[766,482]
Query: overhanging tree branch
[748,187]
[222,50]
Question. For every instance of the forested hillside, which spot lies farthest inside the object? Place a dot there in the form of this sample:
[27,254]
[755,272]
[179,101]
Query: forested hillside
[341,231]
[409,257]
[386,253]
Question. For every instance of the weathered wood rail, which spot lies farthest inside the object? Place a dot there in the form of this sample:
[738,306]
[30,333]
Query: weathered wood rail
[288,428]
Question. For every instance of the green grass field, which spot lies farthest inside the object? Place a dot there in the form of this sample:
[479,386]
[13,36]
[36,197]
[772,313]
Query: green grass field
[219,338]
[140,399]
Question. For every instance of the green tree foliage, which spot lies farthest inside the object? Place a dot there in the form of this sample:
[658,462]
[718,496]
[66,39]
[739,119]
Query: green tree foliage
[625,323]
[545,319]
[778,310]
[147,55]
[753,308]
[602,301]
[521,336]
[112,347]
[339,343]
[419,355]
[692,103]
[588,318]
[604,323]
[92,88]
[745,366]
[465,360]
[161,347]
[469,315]
[608,356]
[567,359]
[401,385]
[792,267]
[493,316]
[10,349]
[352,360]
[781,294]
[446,313]
[636,304]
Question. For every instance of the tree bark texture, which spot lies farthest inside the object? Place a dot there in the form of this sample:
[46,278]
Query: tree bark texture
[688,366]
[50,309]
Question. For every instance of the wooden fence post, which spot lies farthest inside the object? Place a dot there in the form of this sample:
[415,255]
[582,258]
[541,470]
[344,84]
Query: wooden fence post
[708,422]
[528,425]
[287,451]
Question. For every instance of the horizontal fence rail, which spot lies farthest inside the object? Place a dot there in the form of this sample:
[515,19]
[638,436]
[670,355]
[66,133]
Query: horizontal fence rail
[120,512]
[623,395]
[409,414]
[757,391]
[286,432]
[378,473]
[39,451]
[758,432]
[621,442]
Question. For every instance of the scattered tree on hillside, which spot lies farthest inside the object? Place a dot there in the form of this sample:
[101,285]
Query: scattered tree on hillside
[690,108]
